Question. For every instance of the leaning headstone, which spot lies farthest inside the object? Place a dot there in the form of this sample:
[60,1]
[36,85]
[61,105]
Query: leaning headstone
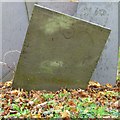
[59,51]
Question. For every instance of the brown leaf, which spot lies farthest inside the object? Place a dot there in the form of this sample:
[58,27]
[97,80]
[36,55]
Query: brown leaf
[71,103]
[64,91]
[8,83]
[83,94]
[109,85]
[73,109]
[59,106]
[116,104]
[94,84]
[14,92]
[65,114]
[7,96]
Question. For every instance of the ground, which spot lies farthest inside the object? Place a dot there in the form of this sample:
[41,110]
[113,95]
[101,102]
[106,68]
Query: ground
[96,101]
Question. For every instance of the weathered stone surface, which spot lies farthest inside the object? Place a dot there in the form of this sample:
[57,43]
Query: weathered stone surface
[105,14]
[59,51]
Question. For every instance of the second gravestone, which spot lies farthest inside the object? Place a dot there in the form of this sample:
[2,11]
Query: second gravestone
[59,51]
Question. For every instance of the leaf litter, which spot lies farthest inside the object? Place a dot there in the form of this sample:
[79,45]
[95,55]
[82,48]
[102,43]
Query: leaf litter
[97,101]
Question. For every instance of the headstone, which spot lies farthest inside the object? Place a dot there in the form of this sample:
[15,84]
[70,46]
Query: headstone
[14,27]
[58,51]
[105,14]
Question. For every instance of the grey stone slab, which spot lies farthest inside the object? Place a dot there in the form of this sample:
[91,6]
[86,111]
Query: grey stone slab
[58,51]
[105,14]
[14,26]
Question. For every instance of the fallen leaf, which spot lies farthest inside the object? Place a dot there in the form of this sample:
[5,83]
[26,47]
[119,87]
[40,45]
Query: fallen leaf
[109,85]
[65,114]
[71,103]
